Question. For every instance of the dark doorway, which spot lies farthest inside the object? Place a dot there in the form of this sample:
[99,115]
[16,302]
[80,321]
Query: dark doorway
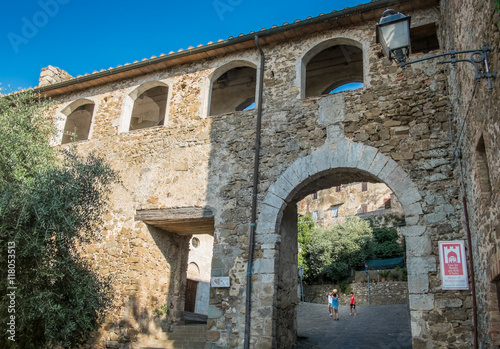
[190,303]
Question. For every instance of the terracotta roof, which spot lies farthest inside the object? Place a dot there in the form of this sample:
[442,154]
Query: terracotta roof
[350,15]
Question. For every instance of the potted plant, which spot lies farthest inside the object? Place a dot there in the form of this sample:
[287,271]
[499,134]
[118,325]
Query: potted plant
[395,276]
[383,275]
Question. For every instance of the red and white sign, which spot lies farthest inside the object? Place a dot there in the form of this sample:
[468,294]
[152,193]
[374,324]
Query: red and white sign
[453,265]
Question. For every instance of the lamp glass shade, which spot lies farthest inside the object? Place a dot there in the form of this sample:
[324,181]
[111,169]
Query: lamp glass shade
[394,34]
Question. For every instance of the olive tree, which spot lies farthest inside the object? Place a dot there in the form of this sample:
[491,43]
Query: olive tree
[51,202]
[332,251]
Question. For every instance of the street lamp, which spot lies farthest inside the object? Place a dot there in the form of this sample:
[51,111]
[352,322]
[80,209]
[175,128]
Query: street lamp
[393,33]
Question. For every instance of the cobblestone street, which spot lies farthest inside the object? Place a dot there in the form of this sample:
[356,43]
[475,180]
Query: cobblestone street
[375,327]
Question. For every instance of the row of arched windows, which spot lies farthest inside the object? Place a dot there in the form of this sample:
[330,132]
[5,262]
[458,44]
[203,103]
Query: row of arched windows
[327,70]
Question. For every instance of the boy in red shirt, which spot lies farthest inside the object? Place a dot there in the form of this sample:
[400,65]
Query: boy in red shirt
[353,304]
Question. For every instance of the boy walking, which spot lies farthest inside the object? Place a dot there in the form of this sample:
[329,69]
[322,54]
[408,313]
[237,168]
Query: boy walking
[353,304]
[335,306]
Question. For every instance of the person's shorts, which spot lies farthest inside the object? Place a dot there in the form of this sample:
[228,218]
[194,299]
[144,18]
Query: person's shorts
[329,306]
[353,306]
[335,310]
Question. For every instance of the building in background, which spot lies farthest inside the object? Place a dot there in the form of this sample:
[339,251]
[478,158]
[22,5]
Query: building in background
[366,200]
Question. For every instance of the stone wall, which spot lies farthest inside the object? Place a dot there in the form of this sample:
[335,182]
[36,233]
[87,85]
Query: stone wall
[51,75]
[468,25]
[394,130]
[381,293]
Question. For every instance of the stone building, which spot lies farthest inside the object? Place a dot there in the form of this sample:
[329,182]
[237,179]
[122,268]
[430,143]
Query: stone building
[333,205]
[181,130]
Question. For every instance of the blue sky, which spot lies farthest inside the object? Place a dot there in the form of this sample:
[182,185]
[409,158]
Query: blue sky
[81,36]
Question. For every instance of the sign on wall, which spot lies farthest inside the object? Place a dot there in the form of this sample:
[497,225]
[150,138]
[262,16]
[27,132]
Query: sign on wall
[453,265]
[220,281]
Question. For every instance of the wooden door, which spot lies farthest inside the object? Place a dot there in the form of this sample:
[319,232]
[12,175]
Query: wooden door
[190,302]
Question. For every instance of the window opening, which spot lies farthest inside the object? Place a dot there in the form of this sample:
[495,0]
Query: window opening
[347,87]
[149,108]
[332,68]
[234,91]
[424,38]
[77,125]
[335,211]
[248,104]
[364,186]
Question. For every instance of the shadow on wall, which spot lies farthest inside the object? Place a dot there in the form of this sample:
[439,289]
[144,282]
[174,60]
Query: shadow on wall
[153,303]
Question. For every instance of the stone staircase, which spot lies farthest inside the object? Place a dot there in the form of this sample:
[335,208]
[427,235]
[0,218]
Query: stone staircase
[183,337]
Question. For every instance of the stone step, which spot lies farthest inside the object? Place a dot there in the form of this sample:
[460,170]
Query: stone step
[183,337]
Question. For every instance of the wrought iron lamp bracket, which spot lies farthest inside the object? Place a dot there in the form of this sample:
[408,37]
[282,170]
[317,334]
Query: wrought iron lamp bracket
[478,58]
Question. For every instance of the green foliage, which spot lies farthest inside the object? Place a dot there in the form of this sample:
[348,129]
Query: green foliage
[344,286]
[50,203]
[385,243]
[333,251]
[25,132]
[162,311]
[305,229]
[497,8]
[384,273]
[404,277]
[394,276]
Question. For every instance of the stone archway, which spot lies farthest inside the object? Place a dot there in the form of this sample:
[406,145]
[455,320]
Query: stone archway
[276,216]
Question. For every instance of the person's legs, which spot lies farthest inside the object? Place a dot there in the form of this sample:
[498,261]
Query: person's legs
[354,305]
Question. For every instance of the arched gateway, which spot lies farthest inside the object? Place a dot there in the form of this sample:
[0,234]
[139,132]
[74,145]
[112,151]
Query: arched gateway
[331,165]
[187,171]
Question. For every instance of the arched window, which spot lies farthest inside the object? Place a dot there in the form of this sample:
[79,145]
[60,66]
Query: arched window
[150,105]
[233,90]
[78,119]
[338,67]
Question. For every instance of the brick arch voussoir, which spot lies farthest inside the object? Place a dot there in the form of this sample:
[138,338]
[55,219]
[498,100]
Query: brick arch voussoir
[344,154]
